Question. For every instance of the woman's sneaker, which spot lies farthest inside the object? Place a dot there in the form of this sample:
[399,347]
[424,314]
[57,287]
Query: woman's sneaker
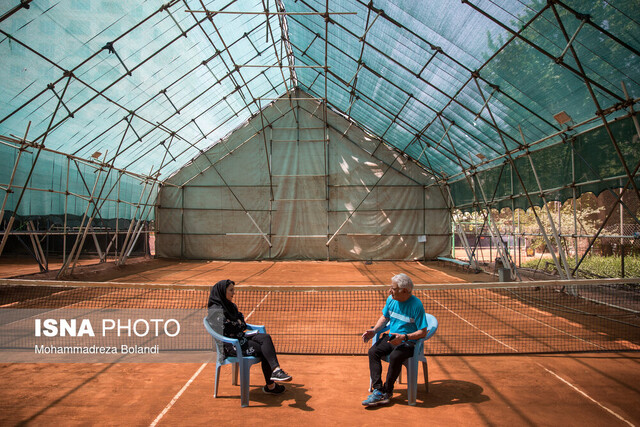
[275,390]
[376,398]
[280,375]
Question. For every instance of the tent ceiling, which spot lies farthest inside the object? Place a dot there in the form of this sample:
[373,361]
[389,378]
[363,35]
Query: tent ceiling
[455,85]
[193,78]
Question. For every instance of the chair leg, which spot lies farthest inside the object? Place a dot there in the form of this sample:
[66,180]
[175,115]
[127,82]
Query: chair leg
[244,384]
[412,381]
[234,373]
[425,371]
[215,387]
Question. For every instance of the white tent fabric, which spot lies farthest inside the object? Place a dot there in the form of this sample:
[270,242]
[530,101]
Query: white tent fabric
[285,193]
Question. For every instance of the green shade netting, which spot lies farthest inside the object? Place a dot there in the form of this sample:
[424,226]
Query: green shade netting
[151,85]
[184,91]
[404,71]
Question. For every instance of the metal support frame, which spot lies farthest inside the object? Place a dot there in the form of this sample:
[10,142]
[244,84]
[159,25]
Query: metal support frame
[390,115]
[33,165]
[574,204]
[126,250]
[66,213]
[531,204]
[345,137]
[230,152]
[30,251]
[361,201]
[562,134]
[66,194]
[604,222]
[101,94]
[266,152]
[403,66]
[291,66]
[82,232]
[232,12]
[495,235]
[518,34]
[435,173]
[398,155]
[556,235]
[599,180]
[264,236]
[354,80]
[109,47]
[113,240]
[394,116]
[126,244]
[136,234]
[570,42]
[389,166]
[589,84]
[325,117]
[96,211]
[37,247]
[97,245]
[8,190]
[463,237]
[458,229]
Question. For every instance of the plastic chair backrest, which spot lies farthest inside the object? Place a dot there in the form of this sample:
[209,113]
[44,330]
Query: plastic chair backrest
[432,327]
[218,339]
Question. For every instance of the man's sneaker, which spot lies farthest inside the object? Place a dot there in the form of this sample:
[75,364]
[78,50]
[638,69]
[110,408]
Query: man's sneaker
[275,390]
[376,398]
[280,375]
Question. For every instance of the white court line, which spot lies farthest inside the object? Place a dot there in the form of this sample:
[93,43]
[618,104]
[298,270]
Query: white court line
[587,396]
[256,307]
[11,304]
[182,390]
[472,325]
[177,396]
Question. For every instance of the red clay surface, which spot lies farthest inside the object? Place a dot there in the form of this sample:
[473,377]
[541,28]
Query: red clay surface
[301,273]
[595,389]
[471,391]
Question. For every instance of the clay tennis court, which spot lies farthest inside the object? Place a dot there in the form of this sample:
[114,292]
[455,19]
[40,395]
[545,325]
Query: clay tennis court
[599,388]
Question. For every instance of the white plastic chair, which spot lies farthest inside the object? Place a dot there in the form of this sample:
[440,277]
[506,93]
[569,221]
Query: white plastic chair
[239,361]
[411,364]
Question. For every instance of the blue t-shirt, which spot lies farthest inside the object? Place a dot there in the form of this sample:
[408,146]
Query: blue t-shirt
[405,317]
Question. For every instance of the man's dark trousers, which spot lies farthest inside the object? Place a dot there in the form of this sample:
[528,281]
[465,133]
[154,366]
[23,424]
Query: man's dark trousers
[397,355]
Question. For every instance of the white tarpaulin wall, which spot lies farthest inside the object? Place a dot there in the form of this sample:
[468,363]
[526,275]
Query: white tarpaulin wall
[288,188]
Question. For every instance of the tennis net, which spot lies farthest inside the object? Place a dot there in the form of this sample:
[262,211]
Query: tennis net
[481,318]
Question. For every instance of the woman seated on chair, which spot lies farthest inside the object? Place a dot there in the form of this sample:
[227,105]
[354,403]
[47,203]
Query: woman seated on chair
[233,326]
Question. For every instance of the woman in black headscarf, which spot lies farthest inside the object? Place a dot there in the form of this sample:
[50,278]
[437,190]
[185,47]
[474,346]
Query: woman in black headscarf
[234,326]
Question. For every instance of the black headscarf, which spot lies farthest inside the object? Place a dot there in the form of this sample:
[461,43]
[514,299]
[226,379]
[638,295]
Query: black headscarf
[218,297]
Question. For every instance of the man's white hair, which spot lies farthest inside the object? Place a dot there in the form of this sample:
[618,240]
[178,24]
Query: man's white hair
[403,281]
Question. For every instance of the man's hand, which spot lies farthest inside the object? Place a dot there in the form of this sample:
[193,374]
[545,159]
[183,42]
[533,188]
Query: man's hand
[397,339]
[368,335]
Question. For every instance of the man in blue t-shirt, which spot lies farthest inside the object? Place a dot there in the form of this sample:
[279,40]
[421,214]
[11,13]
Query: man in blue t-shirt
[407,323]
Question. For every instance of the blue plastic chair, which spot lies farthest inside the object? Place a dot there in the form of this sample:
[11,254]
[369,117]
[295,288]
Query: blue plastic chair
[239,361]
[412,363]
